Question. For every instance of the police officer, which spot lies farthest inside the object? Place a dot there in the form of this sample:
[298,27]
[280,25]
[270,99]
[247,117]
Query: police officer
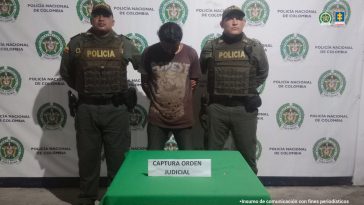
[94,64]
[235,67]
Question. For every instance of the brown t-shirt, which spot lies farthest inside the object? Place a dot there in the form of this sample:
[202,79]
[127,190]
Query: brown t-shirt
[167,84]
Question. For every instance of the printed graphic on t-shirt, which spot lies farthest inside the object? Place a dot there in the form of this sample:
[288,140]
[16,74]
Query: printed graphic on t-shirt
[171,89]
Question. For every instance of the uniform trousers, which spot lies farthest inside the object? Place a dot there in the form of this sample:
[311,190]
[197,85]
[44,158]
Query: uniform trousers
[97,126]
[242,125]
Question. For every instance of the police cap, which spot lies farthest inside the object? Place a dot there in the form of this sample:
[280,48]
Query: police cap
[233,10]
[101,9]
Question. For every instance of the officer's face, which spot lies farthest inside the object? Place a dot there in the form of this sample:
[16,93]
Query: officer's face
[102,23]
[233,25]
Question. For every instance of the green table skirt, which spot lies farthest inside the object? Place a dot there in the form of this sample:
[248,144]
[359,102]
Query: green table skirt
[231,182]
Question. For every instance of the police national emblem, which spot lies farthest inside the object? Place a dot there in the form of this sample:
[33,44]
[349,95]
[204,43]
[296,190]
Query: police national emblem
[9,10]
[50,45]
[51,116]
[326,150]
[173,11]
[294,47]
[256,12]
[171,144]
[11,150]
[332,83]
[290,116]
[10,80]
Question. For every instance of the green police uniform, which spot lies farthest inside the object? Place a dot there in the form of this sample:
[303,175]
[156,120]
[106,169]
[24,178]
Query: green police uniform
[96,67]
[234,72]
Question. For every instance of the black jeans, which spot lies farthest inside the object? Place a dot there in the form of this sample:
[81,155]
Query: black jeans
[158,136]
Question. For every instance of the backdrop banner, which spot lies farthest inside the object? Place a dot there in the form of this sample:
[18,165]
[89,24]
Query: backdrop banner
[308,124]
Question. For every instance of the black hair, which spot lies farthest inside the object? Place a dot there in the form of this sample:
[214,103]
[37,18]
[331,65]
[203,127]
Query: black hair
[170,32]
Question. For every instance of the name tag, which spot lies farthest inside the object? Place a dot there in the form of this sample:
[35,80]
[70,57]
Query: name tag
[230,55]
[179,167]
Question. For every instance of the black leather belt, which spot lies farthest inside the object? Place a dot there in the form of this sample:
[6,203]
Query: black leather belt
[228,100]
[93,100]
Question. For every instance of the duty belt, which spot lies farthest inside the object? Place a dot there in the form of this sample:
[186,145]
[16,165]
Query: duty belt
[95,100]
[228,100]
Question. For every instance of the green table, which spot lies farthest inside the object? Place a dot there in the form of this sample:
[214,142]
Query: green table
[232,182]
